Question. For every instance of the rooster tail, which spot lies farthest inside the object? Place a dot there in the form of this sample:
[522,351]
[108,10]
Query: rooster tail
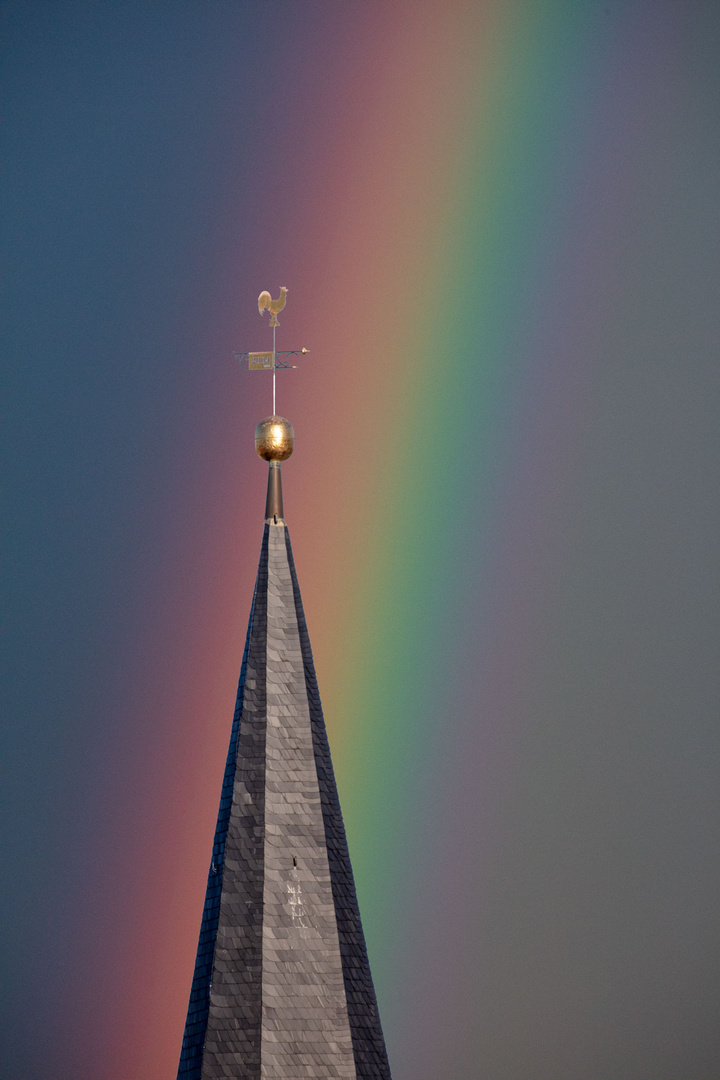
[264,301]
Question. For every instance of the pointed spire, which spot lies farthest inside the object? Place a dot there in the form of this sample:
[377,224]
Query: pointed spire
[282,988]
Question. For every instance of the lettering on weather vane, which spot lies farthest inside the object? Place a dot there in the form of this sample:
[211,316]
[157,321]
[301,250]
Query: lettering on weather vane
[270,360]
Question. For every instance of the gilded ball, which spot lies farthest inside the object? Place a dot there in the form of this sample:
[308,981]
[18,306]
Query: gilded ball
[274,438]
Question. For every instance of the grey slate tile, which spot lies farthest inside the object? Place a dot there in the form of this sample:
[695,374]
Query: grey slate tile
[282,987]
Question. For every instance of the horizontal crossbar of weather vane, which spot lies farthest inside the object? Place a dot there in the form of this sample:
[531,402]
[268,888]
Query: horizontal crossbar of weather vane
[282,359]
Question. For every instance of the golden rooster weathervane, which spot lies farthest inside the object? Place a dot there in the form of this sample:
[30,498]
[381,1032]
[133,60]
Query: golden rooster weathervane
[270,361]
[266,303]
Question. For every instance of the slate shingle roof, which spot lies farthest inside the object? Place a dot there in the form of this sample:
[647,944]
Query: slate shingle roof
[282,987]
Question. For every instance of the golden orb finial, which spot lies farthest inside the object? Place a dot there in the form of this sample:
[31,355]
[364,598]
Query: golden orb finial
[274,438]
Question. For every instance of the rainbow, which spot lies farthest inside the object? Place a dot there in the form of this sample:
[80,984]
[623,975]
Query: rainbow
[415,173]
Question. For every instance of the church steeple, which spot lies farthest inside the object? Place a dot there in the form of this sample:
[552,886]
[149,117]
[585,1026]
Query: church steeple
[282,988]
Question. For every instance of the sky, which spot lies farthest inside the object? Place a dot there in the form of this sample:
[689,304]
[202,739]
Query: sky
[499,224]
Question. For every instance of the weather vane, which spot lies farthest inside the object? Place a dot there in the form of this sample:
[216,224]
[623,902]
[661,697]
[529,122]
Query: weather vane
[270,361]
